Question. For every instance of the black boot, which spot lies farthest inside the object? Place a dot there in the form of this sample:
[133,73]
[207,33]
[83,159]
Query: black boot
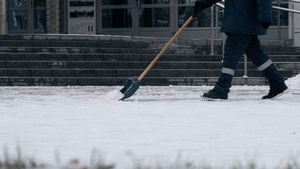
[214,95]
[276,82]
[273,94]
[274,77]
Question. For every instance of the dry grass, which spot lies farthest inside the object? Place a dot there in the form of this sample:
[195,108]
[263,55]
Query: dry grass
[22,163]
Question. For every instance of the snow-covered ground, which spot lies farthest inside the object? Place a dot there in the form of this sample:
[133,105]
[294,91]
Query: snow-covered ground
[157,125]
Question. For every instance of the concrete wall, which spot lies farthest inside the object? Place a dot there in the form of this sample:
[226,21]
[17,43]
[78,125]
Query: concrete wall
[3,22]
[297,26]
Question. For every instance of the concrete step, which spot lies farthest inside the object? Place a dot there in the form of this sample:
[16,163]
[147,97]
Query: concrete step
[42,64]
[72,43]
[58,72]
[73,50]
[108,57]
[111,64]
[105,81]
[108,60]
[130,59]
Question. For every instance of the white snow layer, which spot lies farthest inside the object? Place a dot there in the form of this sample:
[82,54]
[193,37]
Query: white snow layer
[157,125]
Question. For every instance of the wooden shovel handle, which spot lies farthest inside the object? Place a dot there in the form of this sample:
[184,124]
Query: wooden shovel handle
[165,48]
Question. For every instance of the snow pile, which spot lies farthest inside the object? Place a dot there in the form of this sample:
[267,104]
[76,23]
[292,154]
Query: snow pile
[293,82]
[113,95]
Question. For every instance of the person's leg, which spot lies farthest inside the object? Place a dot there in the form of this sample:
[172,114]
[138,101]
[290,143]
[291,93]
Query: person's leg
[234,48]
[264,64]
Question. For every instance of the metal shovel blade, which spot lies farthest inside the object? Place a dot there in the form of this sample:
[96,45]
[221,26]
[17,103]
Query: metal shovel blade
[132,85]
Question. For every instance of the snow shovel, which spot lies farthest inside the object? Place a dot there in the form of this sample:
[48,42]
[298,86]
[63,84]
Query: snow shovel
[133,83]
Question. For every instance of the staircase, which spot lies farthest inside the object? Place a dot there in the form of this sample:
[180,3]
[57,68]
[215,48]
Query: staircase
[60,60]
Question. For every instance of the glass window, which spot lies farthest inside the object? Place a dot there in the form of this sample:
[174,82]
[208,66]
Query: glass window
[19,3]
[40,3]
[17,20]
[90,3]
[116,2]
[39,19]
[284,16]
[154,17]
[202,20]
[155,1]
[116,18]
[186,1]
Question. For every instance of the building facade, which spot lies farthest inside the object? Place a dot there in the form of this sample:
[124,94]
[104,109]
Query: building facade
[155,18]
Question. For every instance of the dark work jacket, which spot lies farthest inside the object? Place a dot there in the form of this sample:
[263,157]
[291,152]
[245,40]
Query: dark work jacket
[244,16]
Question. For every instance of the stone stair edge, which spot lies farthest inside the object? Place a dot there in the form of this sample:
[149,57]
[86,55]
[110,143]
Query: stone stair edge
[150,40]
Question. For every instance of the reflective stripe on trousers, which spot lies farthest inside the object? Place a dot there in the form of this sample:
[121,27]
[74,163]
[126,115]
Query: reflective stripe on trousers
[265,65]
[228,71]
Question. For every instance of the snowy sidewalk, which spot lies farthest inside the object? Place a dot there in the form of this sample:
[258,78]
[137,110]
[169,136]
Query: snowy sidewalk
[155,125]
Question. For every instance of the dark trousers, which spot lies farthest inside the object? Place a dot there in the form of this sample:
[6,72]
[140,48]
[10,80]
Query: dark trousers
[238,44]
